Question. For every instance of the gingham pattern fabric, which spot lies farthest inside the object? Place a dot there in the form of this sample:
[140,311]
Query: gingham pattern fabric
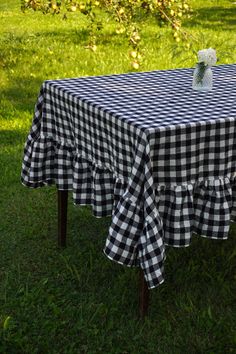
[144,148]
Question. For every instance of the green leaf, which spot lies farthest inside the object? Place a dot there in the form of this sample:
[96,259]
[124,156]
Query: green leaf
[6,323]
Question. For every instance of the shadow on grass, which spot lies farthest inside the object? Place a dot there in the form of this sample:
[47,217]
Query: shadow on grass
[23,93]
[12,137]
[73,36]
[79,36]
[214,17]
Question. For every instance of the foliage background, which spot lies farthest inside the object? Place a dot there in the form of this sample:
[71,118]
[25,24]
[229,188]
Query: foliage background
[75,300]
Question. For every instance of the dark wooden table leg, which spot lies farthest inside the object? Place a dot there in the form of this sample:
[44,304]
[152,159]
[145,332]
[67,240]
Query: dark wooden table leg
[62,217]
[143,295]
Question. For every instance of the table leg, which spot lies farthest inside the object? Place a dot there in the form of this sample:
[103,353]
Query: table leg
[62,217]
[143,295]
[62,226]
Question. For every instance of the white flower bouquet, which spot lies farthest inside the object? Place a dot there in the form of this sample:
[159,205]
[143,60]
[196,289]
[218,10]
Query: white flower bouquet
[203,75]
[207,57]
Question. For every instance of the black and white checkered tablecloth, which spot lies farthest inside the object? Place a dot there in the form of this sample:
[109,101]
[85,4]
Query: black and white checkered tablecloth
[144,148]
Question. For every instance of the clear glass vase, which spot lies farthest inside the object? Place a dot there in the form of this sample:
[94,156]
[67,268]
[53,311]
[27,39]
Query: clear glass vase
[202,79]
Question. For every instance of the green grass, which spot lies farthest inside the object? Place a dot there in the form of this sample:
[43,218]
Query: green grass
[76,300]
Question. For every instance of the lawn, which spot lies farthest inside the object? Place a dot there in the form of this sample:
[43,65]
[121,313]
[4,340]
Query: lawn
[75,300]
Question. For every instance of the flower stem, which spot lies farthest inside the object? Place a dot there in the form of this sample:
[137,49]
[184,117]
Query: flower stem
[201,71]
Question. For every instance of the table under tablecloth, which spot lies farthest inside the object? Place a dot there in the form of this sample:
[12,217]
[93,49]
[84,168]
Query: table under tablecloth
[144,148]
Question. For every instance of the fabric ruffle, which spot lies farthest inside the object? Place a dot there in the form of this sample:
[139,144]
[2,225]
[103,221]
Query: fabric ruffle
[136,238]
[49,162]
[143,220]
[184,210]
[204,208]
